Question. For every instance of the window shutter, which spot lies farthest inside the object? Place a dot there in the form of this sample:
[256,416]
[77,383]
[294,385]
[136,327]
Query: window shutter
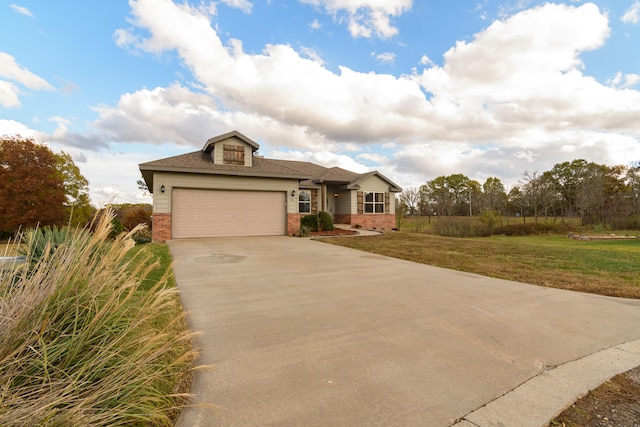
[387,207]
[360,202]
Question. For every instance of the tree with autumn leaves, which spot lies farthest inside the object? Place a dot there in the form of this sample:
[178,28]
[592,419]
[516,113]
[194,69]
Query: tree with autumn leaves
[39,187]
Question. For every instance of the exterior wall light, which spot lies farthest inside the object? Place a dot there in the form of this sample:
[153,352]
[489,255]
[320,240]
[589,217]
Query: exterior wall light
[162,188]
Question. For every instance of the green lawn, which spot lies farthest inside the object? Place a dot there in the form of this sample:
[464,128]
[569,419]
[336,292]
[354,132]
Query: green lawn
[600,267]
[159,253]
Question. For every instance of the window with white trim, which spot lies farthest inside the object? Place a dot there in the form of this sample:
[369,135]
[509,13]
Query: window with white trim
[373,203]
[304,201]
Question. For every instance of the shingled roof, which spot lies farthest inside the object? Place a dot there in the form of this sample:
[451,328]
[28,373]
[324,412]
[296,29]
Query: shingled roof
[308,174]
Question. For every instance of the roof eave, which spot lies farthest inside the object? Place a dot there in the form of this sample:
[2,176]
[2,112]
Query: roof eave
[208,146]
[173,169]
[328,181]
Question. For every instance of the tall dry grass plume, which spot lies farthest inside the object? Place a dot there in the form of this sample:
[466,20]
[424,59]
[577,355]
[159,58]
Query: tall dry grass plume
[81,344]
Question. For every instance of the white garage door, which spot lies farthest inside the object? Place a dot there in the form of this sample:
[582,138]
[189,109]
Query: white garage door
[215,213]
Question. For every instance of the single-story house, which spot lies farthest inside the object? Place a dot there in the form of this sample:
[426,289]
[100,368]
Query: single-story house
[226,189]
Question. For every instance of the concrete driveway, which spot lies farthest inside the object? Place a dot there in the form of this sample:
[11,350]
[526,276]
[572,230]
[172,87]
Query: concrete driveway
[301,333]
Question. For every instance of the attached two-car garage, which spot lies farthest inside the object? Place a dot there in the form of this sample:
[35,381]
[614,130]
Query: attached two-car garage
[218,213]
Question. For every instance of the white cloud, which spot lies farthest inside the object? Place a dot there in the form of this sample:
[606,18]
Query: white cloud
[315,25]
[278,84]
[324,158]
[625,80]
[632,15]
[60,120]
[9,92]
[162,115]
[386,58]
[514,98]
[526,72]
[112,174]
[366,18]
[425,60]
[21,10]
[374,157]
[11,70]
[12,127]
[125,38]
[244,5]
[311,54]
[9,95]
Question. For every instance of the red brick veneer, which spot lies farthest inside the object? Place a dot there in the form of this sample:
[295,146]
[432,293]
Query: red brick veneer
[293,223]
[371,221]
[161,229]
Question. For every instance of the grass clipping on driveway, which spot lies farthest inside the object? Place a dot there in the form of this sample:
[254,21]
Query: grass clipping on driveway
[84,342]
[604,267]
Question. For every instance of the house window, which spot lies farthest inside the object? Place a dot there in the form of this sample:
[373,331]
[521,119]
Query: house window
[304,201]
[233,154]
[373,202]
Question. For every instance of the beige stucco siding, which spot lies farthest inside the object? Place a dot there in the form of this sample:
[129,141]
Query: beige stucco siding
[373,184]
[162,201]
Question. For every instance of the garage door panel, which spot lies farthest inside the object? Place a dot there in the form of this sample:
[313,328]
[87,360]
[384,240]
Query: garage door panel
[214,213]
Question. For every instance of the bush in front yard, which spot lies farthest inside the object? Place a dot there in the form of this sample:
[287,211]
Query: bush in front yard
[326,221]
[81,342]
[320,222]
[310,222]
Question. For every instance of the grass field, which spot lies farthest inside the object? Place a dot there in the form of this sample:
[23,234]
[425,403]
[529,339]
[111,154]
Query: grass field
[601,267]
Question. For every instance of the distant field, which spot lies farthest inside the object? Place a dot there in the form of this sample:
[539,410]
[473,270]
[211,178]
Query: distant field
[423,224]
[601,267]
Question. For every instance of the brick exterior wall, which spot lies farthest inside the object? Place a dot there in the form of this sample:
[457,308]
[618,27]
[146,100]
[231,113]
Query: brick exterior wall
[342,219]
[161,227]
[293,223]
[370,221]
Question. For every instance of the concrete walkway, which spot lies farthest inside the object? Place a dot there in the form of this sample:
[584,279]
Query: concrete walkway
[301,333]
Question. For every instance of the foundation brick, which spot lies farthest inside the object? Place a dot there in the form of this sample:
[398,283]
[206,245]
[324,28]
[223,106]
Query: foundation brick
[370,221]
[161,227]
[293,223]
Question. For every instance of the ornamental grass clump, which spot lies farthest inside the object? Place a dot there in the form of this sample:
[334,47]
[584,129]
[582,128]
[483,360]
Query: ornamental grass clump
[82,344]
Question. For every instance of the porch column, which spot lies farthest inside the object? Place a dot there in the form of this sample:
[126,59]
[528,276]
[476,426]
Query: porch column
[323,197]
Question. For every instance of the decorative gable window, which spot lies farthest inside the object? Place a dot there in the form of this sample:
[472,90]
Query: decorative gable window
[373,202]
[233,154]
[304,201]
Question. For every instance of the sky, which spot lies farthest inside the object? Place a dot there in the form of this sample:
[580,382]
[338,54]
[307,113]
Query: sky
[415,89]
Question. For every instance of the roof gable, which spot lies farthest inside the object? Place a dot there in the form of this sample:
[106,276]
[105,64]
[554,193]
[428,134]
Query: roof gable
[234,134]
[355,184]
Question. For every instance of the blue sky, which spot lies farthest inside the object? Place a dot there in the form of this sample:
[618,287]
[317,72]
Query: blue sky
[415,89]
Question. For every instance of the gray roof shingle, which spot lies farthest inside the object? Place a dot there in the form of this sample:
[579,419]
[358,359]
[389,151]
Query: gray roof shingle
[307,173]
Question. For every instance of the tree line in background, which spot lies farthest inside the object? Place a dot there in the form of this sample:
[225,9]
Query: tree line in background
[39,187]
[596,194]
